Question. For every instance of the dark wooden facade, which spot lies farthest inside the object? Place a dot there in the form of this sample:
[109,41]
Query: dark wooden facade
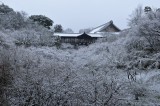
[83,39]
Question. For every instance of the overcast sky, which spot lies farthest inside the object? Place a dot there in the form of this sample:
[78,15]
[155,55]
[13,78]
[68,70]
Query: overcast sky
[79,14]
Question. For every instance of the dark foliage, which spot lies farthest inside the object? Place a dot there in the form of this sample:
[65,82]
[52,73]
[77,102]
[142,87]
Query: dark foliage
[42,20]
[5,9]
[58,28]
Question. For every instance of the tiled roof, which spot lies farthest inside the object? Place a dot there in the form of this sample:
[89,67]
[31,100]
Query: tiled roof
[101,27]
[76,34]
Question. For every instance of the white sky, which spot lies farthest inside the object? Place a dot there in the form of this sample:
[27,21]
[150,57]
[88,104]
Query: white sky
[79,14]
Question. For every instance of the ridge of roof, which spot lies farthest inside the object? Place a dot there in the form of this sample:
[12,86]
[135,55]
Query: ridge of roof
[68,33]
[103,25]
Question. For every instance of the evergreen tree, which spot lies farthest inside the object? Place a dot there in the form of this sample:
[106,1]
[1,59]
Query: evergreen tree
[147,9]
[58,28]
[42,20]
[5,9]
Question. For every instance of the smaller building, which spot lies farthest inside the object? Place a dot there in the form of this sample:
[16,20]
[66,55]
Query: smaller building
[78,39]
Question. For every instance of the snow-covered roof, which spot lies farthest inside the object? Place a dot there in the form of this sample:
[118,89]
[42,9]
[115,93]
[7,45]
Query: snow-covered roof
[67,34]
[95,35]
[101,27]
[97,29]
[76,34]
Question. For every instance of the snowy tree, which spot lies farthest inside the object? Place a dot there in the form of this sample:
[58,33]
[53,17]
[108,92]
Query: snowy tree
[68,30]
[34,38]
[12,20]
[151,31]
[58,28]
[86,30]
[136,16]
[147,26]
[147,9]
[4,9]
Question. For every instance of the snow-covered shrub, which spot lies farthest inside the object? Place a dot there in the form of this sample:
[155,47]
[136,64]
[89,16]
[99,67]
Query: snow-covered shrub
[58,43]
[145,89]
[67,46]
[135,43]
[34,38]
[26,38]
[138,91]
[6,76]
[110,37]
[12,20]
[5,40]
[98,85]
[46,38]
[150,29]
[1,40]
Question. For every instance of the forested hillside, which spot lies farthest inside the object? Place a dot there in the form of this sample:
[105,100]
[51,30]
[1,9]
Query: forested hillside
[118,70]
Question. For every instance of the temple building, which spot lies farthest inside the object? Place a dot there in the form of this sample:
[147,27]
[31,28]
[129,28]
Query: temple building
[88,38]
